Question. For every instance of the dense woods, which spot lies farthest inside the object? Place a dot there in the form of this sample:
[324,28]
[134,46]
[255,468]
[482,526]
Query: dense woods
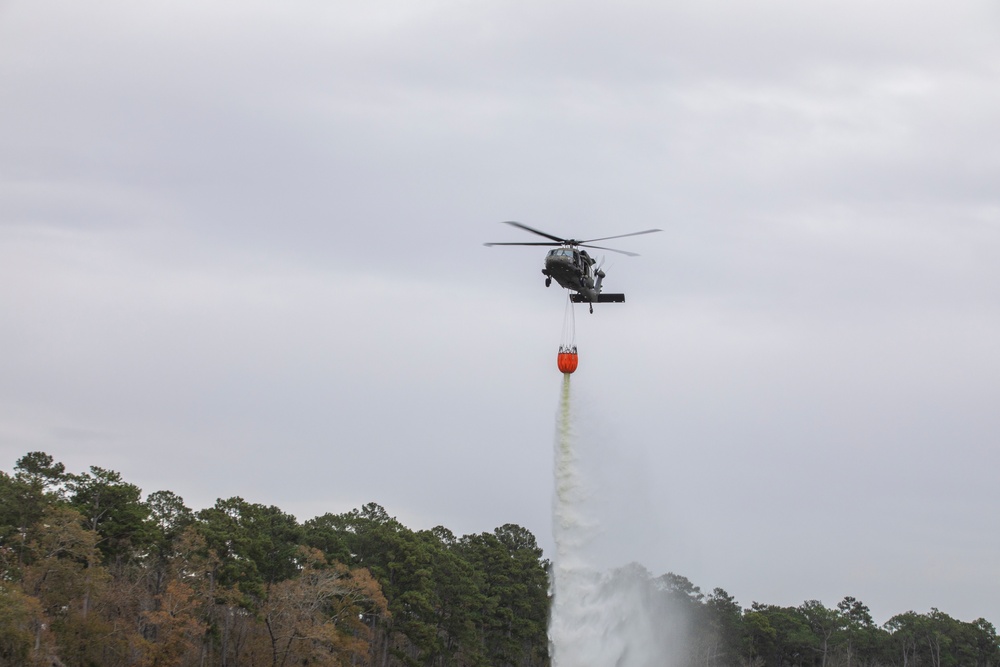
[95,574]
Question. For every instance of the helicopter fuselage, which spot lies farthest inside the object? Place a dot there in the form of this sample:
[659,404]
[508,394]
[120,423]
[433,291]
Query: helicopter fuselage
[573,269]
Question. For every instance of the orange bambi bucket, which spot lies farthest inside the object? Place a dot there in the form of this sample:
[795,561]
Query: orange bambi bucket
[567,359]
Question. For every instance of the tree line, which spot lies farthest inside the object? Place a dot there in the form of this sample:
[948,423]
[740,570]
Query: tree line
[722,634]
[92,573]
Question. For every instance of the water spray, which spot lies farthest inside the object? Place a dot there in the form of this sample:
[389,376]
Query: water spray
[598,619]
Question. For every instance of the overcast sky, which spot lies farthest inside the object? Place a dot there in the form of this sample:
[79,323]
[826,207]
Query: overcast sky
[241,254]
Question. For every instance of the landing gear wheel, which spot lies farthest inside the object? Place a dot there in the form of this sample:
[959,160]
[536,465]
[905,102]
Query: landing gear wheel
[548,282]
[591,309]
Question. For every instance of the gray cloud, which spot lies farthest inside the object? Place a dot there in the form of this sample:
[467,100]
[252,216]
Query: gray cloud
[248,236]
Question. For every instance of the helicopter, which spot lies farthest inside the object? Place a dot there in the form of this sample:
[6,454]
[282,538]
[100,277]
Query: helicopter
[573,268]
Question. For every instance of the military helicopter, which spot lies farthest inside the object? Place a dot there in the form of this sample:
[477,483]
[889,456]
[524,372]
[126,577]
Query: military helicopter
[573,268]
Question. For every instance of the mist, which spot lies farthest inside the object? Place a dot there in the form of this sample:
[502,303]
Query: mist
[619,616]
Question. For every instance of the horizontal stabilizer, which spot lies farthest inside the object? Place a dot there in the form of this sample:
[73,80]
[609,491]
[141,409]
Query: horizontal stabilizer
[601,298]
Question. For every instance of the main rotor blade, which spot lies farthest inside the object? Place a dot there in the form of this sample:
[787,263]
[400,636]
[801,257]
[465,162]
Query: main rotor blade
[535,243]
[534,231]
[620,236]
[599,247]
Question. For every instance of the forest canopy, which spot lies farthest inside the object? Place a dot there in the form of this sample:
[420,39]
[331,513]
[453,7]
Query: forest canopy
[93,573]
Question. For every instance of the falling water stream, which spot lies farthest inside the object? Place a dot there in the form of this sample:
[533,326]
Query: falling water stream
[598,619]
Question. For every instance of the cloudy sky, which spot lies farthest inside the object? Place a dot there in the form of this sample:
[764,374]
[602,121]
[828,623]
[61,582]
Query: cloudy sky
[241,254]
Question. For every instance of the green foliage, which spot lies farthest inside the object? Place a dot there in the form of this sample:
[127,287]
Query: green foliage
[476,600]
[37,484]
[169,517]
[419,578]
[169,513]
[939,640]
[112,508]
[93,575]
[723,628]
[513,594]
[256,544]
[680,590]
[782,635]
